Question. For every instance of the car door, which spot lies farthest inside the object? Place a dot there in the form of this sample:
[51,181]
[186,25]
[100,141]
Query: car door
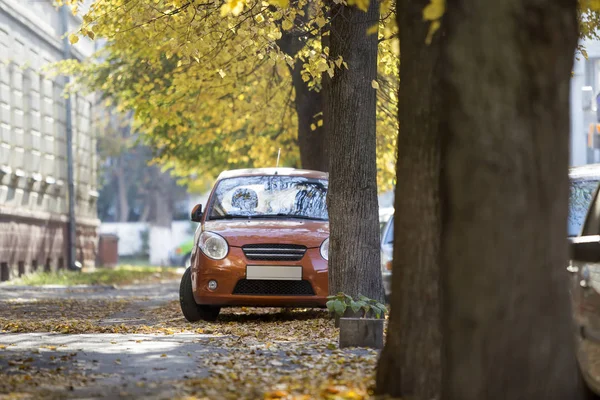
[585,294]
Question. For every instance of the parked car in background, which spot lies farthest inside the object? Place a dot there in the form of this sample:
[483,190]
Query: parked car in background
[584,181]
[584,269]
[181,255]
[387,250]
[263,240]
[384,216]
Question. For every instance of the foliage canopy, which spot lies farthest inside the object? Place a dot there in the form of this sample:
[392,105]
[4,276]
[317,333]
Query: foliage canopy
[209,84]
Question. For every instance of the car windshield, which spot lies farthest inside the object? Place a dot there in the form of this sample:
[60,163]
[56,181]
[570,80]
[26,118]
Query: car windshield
[582,192]
[270,196]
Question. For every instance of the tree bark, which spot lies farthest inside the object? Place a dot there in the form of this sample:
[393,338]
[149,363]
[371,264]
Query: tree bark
[122,195]
[312,143]
[308,103]
[349,118]
[410,364]
[507,324]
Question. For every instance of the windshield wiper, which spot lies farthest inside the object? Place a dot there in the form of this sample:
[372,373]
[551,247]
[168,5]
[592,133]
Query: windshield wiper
[285,215]
[230,216]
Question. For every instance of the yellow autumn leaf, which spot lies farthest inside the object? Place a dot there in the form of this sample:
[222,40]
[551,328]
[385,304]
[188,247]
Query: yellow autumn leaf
[434,10]
[313,127]
[360,4]
[320,21]
[435,25]
[373,29]
[280,3]
[73,38]
[234,7]
[339,62]
[594,5]
[374,84]
[287,25]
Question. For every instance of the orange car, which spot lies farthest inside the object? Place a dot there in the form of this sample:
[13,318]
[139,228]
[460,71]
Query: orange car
[262,241]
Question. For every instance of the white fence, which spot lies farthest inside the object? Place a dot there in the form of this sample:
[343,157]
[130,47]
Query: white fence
[160,240]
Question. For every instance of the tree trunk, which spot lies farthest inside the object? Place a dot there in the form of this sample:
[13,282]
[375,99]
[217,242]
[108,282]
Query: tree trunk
[312,143]
[507,325]
[162,198]
[410,364]
[354,263]
[122,195]
[308,103]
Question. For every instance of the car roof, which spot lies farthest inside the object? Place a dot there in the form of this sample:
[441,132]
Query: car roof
[273,171]
[590,171]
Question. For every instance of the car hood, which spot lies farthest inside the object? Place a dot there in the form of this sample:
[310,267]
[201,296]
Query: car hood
[239,233]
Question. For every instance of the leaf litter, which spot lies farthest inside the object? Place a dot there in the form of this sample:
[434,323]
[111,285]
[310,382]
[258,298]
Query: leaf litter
[258,353]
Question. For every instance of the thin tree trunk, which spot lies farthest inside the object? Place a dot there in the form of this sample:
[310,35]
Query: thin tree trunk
[308,103]
[312,143]
[354,263]
[507,324]
[122,195]
[163,201]
[410,364]
[146,211]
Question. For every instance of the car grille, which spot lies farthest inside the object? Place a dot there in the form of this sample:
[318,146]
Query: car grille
[273,288]
[274,252]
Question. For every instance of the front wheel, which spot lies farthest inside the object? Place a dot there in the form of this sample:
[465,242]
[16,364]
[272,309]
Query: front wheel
[192,311]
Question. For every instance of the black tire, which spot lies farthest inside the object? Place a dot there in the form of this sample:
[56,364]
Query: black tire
[192,311]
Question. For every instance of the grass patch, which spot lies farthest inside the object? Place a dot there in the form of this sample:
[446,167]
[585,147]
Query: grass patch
[121,275]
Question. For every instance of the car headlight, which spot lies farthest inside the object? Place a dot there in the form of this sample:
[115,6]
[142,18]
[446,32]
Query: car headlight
[213,246]
[325,249]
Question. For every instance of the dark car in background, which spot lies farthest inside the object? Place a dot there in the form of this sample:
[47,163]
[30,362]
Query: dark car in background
[584,271]
[387,250]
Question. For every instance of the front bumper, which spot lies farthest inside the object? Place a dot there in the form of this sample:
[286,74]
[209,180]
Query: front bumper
[231,269]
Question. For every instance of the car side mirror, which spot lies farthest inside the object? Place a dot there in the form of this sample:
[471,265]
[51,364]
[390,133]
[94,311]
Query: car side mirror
[585,248]
[197,213]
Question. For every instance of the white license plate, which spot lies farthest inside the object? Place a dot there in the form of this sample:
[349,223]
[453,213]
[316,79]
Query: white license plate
[273,272]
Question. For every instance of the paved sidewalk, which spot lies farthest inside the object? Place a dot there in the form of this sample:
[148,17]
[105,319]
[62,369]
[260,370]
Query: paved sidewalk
[157,291]
[120,365]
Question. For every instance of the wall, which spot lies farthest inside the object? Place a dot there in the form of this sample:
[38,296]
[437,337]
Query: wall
[33,168]
[161,240]
[585,85]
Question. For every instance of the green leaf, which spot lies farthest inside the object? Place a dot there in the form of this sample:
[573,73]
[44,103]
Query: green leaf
[366,307]
[339,307]
[361,303]
[354,306]
[377,310]
[382,307]
[329,305]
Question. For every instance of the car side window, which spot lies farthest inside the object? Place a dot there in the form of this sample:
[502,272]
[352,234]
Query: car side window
[580,199]
[389,237]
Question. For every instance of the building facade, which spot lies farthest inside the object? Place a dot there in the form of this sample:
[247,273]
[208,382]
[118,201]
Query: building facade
[33,144]
[585,106]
